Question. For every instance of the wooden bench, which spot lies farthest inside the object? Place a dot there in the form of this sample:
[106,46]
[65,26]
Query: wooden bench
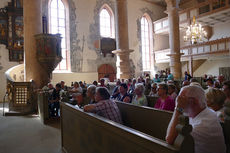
[87,133]
[147,120]
[151,101]
[43,108]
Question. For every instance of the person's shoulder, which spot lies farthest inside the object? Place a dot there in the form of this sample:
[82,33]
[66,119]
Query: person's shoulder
[169,98]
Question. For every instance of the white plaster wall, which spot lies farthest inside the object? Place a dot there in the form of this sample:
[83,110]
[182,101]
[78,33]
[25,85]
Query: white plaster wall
[71,77]
[85,17]
[134,14]
[5,65]
[211,67]
[162,66]
[161,42]
[4,3]
[221,31]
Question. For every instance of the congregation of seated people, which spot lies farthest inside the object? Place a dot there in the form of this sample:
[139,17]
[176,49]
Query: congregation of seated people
[202,101]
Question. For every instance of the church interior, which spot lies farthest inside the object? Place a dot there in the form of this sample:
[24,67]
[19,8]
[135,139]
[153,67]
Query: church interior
[48,41]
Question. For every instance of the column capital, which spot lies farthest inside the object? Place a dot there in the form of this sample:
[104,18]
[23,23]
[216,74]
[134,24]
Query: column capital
[122,51]
[172,4]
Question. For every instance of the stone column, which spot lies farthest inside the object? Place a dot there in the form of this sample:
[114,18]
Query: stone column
[122,39]
[191,65]
[33,25]
[174,37]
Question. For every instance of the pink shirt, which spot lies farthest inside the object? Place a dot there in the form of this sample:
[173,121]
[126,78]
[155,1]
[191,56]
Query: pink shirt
[168,104]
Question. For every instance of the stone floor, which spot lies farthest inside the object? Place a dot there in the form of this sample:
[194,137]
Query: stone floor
[26,134]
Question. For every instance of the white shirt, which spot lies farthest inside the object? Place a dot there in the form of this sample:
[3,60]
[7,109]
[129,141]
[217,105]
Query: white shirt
[207,133]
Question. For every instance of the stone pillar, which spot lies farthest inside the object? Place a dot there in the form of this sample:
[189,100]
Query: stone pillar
[33,25]
[122,38]
[174,37]
[191,65]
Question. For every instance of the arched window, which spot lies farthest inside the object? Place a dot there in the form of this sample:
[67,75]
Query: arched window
[146,43]
[107,22]
[58,24]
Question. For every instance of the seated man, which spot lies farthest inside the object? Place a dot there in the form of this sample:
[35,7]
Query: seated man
[115,92]
[123,95]
[104,106]
[207,131]
[54,100]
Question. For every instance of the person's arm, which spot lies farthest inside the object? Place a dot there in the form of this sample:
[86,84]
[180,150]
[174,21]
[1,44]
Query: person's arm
[182,102]
[171,131]
[89,108]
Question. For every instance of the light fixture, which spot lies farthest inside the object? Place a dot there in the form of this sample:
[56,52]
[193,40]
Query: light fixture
[195,32]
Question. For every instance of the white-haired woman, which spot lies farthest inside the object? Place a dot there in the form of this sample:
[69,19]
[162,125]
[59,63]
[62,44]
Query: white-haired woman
[215,100]
[140,98]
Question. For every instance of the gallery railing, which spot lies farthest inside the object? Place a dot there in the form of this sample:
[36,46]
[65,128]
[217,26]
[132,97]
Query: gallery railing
[202,9]
[219,46]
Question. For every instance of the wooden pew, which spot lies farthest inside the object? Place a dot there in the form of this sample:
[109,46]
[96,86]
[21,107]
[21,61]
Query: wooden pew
[151,101]
[87,133]
[144,119]
[43,106]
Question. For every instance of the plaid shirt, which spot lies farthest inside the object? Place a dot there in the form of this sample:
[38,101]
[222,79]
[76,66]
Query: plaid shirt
[108,109]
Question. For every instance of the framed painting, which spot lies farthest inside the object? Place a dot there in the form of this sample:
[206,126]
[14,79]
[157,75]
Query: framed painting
[3,26]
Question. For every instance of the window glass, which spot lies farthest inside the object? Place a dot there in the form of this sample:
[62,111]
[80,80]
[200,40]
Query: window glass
[58,25]
[145,44]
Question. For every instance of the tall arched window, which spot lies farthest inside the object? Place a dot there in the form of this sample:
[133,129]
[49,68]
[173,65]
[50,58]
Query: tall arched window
[58,24]
[146,43]
[107,22]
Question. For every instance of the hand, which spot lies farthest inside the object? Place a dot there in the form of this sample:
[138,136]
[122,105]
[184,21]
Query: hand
[182,101]
[126,99]
[89,108]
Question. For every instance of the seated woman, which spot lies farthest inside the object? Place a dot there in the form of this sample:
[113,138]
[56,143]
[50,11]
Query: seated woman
[153,91]
[215,100]
[172,91]
[76,88]
[91,90]
[164,102]
[140,99]
[104,106]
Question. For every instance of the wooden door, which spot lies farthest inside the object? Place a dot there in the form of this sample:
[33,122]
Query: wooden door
[106,71]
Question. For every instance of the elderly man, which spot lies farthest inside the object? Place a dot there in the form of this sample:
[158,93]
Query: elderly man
[104,106]
[207,131]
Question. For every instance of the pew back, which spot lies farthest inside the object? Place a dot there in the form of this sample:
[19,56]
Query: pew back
[147,120]
[151,101]
[86,132]
[43,106]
